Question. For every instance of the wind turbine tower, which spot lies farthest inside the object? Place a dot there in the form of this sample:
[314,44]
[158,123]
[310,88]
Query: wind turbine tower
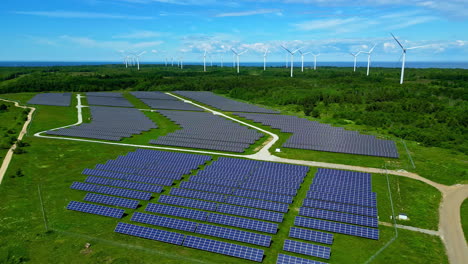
[138,59]
[292,58]
[315,60]
[238,55]
[404,56]
[355,56]
[264,59]
[368,58]
[204,61]
[302,58]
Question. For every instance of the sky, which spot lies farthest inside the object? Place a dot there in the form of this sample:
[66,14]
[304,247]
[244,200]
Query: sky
[106,30]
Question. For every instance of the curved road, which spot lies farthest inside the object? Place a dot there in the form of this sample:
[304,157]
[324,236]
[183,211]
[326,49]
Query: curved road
[450,228]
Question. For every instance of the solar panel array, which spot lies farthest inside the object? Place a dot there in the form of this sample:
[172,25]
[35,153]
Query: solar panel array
[287,259]
[95,209]
[110,200]
[150,233]
[312,135]
[163,221]
[57,99]
[159,100]
[156,95]
[107,99]
[234,234]
[109,123]
[223,103]
[204,130]
[340,202]
[307,249]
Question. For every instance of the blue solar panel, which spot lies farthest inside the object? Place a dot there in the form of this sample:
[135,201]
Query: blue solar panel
[111,191]
[220,182]
[269,188]
[346,208]
[339,217]
[208,206]
[95,209]
[234,234]
[307,249]
[176,211]
[198,195]
[287,259]
[206,187]
[128,177]
[150,233]
[224,248]
[311,235]
[342,199]
[250,212]
[264,196]
[164,221]
[110,200]
[125,184]
[344,173]
[279,207]
[346,229]
[360,195]
[243,223]
[338,190]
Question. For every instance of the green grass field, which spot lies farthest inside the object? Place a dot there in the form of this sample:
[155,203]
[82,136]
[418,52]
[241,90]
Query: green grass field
[12,120]
[51,165]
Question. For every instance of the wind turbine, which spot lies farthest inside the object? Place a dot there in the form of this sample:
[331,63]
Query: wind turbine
[238,55]
[172,61]
[404,56]
[138,59]
[264,59]
[204,61]
[368,58]
[315,60]
[355,56]
[292,58]
[302,57]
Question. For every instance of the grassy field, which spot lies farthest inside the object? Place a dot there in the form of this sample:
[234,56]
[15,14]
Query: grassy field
[50,166]
[12,120]
[464,218]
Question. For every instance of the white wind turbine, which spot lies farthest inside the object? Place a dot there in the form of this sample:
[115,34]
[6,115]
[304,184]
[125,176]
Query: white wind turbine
[292,57]
[138,58]
[238,55]
[355,56]
[368,58]
[315,60]
[264,59]
[404,56]
[204,61]
[302,58]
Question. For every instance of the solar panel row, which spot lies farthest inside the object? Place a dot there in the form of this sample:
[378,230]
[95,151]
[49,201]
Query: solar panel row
[341,228]
[346,208]
[234,234]
[128,177]
[95,209]
[110,200]
[111,191]
[307,249]
[163,221]
[339,217]
[311,235]
[287,259]
[57,99]
[150,233]
[125,184]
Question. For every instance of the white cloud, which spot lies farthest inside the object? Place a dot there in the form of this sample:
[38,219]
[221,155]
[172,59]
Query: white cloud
[117,45]
[72,14]
[250,13]
[320,24]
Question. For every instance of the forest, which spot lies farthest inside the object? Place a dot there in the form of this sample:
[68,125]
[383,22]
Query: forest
[429,108]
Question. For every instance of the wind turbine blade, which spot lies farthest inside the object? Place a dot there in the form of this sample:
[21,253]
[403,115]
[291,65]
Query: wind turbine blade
[266,51]
[205,53]
[286,49]
[242,52]
[299,49]
[234,51]
[141,53]
[370,51]
[417,47]
[397,41]
[306,53]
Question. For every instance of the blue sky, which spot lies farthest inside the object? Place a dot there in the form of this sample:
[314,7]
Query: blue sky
[96,30]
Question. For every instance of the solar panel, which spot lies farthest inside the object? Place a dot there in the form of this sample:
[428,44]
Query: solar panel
[110,200]
[264,196]
[177,211]
[95,209]
[340,228]
[342,199]
[198,195]
[224,248]
[346,208]
[208,206]
[279,207]
[164,221]
[339,217]
[243,223]
[311,235]
[111,191]
[150,233]
[234,234]
[128,177]
[250,212]
[287,259]
[125,184]
[307,249]
[206,187]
